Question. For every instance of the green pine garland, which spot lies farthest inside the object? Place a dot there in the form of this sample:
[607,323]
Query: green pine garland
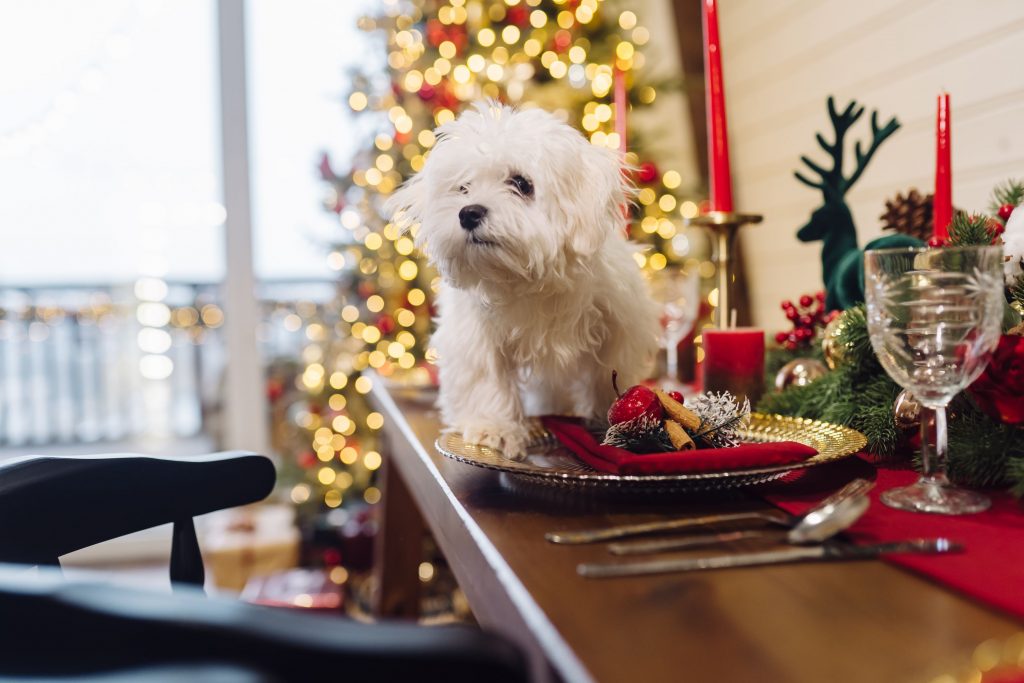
[859,394]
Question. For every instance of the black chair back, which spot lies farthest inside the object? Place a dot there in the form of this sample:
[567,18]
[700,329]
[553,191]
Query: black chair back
[52,627]
[54,505]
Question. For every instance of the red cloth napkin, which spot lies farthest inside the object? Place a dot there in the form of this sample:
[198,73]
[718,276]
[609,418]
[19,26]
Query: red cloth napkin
[578,439]
[991,569]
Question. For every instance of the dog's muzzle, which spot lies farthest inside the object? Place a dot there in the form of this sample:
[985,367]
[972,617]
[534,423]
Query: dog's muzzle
[470,217]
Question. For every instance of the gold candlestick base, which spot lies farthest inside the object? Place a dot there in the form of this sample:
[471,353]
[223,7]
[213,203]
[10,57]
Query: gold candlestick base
[724,224]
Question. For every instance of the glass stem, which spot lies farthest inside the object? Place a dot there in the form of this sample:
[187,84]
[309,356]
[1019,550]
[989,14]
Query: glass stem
[933,459]
[672,359]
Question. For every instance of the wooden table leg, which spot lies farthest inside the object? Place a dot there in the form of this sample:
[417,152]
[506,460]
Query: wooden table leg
[399,549]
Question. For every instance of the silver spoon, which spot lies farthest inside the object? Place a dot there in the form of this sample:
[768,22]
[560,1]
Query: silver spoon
[819,524]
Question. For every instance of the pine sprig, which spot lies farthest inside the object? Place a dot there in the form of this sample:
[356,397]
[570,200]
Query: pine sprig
[642,434]
[1009,192]
[968,230]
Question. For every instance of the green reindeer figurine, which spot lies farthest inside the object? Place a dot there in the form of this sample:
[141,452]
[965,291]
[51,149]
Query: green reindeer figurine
[842,263]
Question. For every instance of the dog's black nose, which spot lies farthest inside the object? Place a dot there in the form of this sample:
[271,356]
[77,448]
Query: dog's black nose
[471,216]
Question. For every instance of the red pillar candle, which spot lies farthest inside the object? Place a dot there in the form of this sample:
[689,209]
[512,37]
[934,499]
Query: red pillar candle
[942,208]
[734,361]
[719,177]
[619,99]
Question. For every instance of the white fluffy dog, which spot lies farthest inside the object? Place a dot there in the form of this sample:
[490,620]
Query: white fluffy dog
[541,298]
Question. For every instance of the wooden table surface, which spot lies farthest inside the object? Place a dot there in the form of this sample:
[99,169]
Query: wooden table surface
[853,621]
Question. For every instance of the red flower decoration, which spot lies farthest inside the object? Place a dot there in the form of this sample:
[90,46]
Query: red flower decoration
[1000,389]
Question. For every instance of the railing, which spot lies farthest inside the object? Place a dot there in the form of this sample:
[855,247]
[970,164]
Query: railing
[110,362]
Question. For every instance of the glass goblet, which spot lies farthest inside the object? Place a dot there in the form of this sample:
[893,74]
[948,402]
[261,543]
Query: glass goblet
[934,318]
[677,291]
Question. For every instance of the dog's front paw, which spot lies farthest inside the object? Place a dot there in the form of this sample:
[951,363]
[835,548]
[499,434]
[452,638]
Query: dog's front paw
[511,440]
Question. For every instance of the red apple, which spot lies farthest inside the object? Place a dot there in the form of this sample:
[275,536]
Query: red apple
[636,401]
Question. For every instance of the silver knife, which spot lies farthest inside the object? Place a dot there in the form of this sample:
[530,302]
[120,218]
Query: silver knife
[600,570]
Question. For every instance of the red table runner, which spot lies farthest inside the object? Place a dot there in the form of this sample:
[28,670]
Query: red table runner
[991,569]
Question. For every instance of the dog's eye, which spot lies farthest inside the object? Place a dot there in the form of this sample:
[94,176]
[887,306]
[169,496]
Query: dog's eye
[464,189]
[522,185]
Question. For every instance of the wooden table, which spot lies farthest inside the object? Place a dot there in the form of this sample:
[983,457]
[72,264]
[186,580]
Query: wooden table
[862,621]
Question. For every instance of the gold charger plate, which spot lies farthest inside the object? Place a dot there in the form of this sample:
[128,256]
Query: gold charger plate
[547,462]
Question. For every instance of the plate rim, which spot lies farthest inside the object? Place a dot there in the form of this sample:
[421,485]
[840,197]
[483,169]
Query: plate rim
[857,442]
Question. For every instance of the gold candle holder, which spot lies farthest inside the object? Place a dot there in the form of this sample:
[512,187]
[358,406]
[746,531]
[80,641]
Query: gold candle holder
[724,224]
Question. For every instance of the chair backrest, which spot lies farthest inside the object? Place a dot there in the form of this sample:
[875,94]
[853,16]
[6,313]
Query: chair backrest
[51,505]
[52,627]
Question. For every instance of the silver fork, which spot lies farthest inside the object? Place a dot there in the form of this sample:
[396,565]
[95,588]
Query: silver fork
[853,488]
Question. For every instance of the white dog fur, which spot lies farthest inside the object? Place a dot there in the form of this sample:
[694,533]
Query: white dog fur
[542,299]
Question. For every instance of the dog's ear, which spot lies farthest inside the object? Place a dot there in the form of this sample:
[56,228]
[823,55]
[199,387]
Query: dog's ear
[596,205]
[408,203]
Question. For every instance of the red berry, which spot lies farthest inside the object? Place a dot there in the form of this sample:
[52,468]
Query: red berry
[792,313]
[791,345]
[806,320]
[806,300]
[936,241]
[677,396]
[820,296]
[781,337]
[1005,210]
[787,304]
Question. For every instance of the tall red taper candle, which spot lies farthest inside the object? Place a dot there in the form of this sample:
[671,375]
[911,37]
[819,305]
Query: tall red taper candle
[942,208]
[718,136]
[619,99]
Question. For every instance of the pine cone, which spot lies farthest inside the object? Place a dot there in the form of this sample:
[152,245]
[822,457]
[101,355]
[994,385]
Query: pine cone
[909,215]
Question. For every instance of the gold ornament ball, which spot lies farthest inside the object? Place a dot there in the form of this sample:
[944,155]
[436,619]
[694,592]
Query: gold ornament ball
[831,347]
[798,373]
[906,411]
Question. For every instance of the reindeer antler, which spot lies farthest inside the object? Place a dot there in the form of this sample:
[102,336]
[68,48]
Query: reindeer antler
[832,181]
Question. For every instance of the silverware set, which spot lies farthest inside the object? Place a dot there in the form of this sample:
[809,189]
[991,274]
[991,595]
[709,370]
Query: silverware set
[808,535]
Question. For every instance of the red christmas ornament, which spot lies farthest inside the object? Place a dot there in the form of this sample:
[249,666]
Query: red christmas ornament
[386,324]
[435,32]
[1000,389]
[562,41]
[517,15]
[935,241]
[647,173]
[1005,210]
[331,557]
[275,389]
[996,228]
[427,92]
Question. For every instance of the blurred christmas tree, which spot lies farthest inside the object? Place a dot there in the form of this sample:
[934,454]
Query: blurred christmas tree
[581,58]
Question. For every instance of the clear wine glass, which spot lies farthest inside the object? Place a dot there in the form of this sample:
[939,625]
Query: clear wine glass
[677,291]
[934,318]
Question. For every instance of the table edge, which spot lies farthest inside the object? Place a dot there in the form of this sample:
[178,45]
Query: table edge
[561,656]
